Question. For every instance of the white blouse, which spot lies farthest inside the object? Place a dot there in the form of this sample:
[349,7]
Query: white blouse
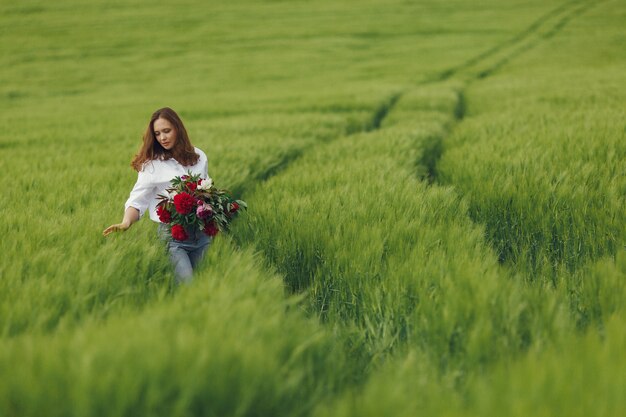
[155,177]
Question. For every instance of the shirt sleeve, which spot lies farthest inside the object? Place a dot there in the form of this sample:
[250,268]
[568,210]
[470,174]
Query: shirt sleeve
[205,168]
[205,163]
[140,195]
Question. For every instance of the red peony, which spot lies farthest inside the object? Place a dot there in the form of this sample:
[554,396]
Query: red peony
[179,233]
[163,214]
[184,203]
[193,202]
[211,229]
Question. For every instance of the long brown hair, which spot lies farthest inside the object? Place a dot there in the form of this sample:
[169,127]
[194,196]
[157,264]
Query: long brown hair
[183,151]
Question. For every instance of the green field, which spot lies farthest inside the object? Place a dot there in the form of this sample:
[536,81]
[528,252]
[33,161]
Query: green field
[436,223]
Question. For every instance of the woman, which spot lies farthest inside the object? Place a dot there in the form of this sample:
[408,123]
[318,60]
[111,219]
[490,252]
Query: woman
[166,153]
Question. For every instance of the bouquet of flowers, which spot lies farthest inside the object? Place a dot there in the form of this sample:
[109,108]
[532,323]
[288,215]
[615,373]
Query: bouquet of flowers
[193,202]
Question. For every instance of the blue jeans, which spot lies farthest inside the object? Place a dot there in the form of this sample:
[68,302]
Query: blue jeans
[185,255]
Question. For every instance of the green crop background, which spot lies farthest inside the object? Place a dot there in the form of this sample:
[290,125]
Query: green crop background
[436,223]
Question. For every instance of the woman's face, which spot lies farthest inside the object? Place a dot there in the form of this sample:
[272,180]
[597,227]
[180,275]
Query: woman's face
[165,133]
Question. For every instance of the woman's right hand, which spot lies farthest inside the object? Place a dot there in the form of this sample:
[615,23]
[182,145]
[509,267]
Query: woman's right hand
[120,227]
[131,215]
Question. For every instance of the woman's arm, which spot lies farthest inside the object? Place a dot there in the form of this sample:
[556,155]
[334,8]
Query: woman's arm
[136,204]
[131,215]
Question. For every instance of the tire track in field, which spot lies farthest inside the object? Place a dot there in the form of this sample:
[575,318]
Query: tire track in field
[297,261]
[540,30]
[374,123]
[562,13]
[484,65]
[490,61]
[535,26]
[543,30]
[469,71]
[557,24]
[474,69]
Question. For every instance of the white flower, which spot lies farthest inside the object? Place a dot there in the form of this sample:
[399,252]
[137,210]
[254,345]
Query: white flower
[171,194]
[205,184]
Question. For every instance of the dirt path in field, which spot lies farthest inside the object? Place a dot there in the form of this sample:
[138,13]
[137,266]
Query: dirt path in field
[463,75]
[455,80]
[472,70]
[540,30]
[373,123]
[490,61]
